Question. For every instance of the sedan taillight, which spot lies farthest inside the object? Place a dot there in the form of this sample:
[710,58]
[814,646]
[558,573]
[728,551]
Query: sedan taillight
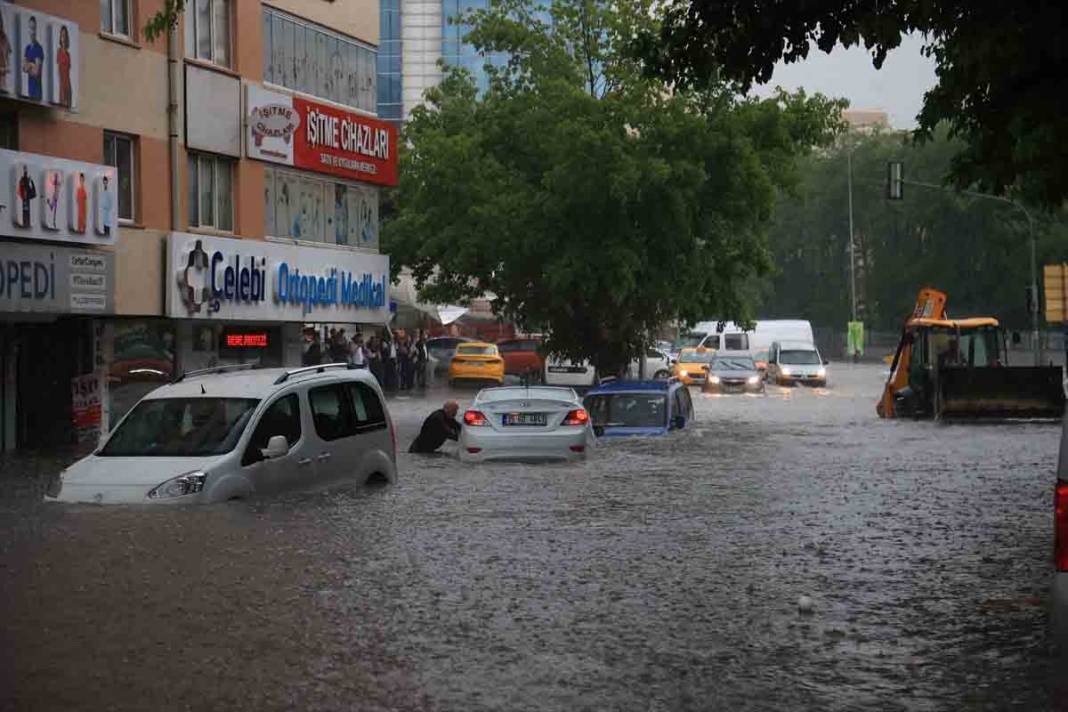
[579,416]
[1060,526]
[475,418]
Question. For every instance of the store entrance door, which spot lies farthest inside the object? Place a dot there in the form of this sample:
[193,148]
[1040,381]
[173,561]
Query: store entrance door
[48,356]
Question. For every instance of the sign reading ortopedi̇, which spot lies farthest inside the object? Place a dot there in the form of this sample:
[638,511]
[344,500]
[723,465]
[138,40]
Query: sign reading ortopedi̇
[251,280]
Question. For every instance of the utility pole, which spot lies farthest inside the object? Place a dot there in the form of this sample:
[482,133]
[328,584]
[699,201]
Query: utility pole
[896,180]
[852,242]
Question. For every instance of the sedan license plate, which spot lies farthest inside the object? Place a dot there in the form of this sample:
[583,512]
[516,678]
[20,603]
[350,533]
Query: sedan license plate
[524,418]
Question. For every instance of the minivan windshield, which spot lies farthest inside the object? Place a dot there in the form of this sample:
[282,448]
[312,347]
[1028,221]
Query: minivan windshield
[181,427]
[628,410]
[799,357]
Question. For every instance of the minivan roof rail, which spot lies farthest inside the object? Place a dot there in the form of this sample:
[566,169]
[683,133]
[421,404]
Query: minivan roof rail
[309,369]
[214,369]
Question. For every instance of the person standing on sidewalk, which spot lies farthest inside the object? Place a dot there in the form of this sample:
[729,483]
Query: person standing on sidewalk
[422,358]
[357,353]
[389,361]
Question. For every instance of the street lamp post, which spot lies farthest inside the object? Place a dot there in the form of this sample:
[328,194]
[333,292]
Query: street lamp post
[894,192]
[852,243]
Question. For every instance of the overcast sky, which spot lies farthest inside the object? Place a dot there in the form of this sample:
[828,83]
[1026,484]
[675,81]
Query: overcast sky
[897,88]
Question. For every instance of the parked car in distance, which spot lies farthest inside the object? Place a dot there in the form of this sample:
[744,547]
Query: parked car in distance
[691,367]
[226,433]
[572,374]
[522,357]
[792,362]
[525,423]
[476,361]
[441,350]
[639,407]
[1060,545]
[733,374]
[657,366]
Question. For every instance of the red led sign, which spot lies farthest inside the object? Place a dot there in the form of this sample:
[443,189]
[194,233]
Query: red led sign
[245,340]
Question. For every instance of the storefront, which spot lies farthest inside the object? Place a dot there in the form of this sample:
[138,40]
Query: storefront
[56,287]
[247,301]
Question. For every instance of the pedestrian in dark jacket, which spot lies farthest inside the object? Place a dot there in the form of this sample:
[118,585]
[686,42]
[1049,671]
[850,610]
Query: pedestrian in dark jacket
[422,356]
[439,426]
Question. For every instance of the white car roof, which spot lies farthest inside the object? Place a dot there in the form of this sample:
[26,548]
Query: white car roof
[254,383]
[797,345]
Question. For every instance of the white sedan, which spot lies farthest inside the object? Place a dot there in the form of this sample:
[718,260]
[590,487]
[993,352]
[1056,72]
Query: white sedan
[517,423]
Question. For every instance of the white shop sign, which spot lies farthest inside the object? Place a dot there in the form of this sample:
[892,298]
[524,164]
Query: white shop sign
[46,198]
[222,278]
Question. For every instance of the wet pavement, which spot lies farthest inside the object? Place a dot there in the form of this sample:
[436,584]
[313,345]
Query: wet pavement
[663,574]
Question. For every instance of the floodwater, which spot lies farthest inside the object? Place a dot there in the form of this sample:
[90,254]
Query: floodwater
[662,574]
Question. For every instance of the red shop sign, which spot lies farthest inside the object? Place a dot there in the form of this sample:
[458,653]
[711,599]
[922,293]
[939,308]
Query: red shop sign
[342,143]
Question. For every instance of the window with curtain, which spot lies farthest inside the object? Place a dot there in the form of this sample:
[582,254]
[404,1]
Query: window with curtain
[115,17]
[211,192]
[207,26]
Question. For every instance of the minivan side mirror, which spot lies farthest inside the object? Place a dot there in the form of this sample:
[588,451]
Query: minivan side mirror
[276,447]
[680,421]
[826,362]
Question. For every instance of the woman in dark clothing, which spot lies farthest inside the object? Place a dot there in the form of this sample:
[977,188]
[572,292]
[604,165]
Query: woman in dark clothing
[374,358]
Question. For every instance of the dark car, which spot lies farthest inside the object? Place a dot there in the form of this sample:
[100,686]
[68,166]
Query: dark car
[733,374]
[639,407]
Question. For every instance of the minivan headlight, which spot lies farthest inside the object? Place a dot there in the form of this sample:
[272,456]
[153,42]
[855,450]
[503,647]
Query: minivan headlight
[753,380]
[180,486]
[822,372]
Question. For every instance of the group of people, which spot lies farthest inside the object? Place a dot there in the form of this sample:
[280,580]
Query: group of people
[398,362]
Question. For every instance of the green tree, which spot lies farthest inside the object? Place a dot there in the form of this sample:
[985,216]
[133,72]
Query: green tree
[1001,69]
[975,249]
[592,203]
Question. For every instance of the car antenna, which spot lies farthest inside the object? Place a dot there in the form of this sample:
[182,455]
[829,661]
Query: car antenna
[202,391]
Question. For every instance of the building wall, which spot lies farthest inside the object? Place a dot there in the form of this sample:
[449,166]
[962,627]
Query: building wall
[421,37]
[356,18]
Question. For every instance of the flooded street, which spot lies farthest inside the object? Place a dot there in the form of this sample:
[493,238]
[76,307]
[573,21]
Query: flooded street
[663,574]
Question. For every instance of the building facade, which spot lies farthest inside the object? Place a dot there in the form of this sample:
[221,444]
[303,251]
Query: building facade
[137,242]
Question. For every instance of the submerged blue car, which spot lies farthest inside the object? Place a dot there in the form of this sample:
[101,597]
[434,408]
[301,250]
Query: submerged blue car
[638,407]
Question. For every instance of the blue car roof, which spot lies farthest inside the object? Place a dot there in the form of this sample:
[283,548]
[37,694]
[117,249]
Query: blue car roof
[631,387]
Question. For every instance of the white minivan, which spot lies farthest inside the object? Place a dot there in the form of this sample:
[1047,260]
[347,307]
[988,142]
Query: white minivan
[223,434]
[791,362]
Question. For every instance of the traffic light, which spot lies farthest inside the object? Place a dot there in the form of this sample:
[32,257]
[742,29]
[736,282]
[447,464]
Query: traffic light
[895,180]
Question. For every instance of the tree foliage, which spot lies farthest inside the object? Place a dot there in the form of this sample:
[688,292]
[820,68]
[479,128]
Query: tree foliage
[592,202]
[1001,70]
[975,249]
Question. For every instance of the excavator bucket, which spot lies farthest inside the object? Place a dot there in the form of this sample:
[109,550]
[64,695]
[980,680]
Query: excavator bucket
[1000,392]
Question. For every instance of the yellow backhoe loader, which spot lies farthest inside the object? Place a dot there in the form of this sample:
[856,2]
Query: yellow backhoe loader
[957,368]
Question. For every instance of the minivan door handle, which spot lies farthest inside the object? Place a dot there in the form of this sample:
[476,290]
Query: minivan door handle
[323,457]
[305,461]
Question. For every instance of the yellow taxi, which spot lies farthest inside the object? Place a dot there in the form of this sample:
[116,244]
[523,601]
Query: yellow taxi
[691,367]
[476,361]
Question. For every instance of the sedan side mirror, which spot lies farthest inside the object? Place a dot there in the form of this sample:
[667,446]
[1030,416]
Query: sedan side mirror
[680,421]
[826,362]
[276,447]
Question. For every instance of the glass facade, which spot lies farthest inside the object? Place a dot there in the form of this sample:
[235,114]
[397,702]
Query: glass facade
[313,60]
[458,53]
[390,107]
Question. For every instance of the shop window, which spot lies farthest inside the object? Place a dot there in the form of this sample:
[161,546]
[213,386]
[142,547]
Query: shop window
[208,31]
[311,59]
[211,199]
[119,151]
[115,17]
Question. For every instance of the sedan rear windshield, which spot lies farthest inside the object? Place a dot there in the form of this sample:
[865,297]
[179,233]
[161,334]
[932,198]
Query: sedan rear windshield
[181,427]
[465,350]
[628,410]
[799,357]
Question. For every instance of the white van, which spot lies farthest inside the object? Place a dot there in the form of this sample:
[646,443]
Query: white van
[216,435]
[564,372]
[732,338]
[792,362]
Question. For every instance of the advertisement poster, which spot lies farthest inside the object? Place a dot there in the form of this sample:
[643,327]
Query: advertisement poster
[8,67]
[86,407]
[62,57]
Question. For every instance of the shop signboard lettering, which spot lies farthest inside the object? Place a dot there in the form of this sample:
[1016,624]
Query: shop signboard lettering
[57,280]
[46,198]
[228,278]
[319,137]
[86,407]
